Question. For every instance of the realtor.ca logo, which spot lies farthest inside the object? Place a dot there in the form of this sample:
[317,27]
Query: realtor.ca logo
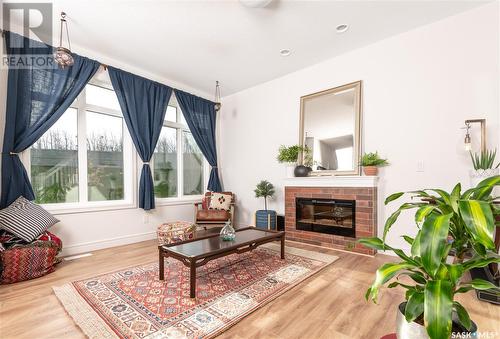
[33,21]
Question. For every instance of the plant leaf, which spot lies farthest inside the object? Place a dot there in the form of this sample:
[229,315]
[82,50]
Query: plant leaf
[463,316]
[414,306]
[479,221]
[394,216]
[383,275]
[393,197]
[423,212]
[408,239]
[480,284]
[375,243]
[480,262]
[443,194]
[415,247]
[484,188]
[455,196]
[438,309]
[455,273]
[433,238]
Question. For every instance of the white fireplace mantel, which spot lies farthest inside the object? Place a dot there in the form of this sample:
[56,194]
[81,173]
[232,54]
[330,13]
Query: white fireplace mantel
[332,181]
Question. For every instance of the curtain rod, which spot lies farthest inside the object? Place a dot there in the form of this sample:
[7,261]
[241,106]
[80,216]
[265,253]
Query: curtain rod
[105,66]
[3,31]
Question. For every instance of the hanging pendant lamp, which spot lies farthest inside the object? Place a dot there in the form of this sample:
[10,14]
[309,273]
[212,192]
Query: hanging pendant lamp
[62,55]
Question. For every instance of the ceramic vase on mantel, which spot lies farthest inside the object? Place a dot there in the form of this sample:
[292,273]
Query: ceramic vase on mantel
[290,168]
[476,176]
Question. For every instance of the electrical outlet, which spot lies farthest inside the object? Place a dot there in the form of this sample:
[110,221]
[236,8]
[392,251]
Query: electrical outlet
[420,166]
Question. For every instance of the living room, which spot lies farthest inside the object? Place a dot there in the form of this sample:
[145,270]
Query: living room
[207,169]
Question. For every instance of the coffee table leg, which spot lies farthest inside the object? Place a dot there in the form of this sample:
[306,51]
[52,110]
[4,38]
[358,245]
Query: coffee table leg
[283,247]
[192,285]
[161,264]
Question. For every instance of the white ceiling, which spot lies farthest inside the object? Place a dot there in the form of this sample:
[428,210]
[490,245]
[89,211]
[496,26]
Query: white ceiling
[197,42]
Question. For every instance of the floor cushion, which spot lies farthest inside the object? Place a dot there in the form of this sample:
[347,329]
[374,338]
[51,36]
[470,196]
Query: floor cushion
[21,260]
[172,232]
[25,219]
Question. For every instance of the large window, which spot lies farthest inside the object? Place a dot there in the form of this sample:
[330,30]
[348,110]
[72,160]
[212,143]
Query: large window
[85,156]
[178,164]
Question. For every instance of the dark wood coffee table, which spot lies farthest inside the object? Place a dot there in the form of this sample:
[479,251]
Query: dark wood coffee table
[204,247]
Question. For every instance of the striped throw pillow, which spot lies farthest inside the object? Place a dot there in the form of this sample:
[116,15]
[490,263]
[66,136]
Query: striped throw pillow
[25,220]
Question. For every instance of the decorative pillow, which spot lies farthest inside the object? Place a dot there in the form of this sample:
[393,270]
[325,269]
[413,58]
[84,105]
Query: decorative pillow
[25,220]
[220,201]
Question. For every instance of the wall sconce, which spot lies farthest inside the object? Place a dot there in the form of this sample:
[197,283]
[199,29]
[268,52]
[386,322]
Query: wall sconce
[467,140]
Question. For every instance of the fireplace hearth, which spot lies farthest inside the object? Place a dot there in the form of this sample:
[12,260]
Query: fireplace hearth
[329,216]
[332,212]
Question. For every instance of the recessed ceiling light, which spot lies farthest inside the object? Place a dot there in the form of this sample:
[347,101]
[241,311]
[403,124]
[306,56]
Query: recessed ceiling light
[255,3]
[342,28]
[285,52]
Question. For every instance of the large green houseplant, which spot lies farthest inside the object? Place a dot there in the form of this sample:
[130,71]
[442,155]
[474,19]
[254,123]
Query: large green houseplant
[449,224]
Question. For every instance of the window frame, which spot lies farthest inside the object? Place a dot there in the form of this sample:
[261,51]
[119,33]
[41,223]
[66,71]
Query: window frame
[180,128]
[129,162]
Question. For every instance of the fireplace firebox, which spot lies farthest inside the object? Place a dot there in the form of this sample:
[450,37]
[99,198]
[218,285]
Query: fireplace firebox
[330,216]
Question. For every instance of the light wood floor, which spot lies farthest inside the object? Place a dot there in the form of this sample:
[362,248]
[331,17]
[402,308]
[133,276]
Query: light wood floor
[328,305]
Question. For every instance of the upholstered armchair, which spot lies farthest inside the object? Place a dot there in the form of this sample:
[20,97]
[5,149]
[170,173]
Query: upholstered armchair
[215,209]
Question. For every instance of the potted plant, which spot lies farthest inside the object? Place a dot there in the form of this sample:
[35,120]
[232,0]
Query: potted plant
[454,224]
[484,166]
[265,218]
[289,155]
[371,162]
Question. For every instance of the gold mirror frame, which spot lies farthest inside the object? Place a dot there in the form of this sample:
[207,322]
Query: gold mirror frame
[357,86]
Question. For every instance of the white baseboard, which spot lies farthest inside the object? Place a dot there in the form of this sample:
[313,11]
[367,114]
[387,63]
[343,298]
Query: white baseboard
[106,243]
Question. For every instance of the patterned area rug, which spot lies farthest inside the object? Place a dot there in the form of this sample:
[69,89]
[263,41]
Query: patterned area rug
[134,303]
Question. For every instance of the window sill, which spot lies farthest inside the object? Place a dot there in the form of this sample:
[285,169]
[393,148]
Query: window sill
[98,206]
[101,206]
[187,200]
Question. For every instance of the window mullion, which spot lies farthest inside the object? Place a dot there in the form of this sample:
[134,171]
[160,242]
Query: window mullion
[180,165]
[82,150]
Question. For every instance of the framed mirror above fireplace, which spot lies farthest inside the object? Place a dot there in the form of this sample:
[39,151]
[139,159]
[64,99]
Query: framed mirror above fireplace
[330,123]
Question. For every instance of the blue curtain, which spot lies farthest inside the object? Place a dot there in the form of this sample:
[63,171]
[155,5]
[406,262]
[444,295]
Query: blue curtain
[200,116]
[36,99]
[144,104]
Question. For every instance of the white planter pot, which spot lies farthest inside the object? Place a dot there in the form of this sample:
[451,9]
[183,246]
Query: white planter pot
[290,168]
[476,176]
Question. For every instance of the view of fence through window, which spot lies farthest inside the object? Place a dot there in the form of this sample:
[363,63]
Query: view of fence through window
[104,157]
[58,169]
[193,165]
[165,164]
[54,162]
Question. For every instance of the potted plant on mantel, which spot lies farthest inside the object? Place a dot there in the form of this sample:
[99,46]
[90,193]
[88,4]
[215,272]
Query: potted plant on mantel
[289,156]
[484,166]
[264,218]
[450,224]
[371,162]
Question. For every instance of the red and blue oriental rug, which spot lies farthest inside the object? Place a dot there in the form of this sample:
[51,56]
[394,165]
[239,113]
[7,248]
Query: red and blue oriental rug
[134,303]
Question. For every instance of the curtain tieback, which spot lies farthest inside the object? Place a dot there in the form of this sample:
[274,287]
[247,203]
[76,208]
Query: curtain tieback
[13,153]
[214,167]
[145,162]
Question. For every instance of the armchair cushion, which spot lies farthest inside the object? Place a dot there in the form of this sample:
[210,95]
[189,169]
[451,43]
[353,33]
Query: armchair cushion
[220,201]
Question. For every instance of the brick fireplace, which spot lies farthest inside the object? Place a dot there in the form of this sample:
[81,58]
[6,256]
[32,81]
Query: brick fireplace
[362,191]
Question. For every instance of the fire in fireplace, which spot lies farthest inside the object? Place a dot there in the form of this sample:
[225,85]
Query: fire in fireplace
[331,216]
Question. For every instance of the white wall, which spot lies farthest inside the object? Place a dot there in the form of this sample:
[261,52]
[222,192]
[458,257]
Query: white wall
[418,88]
[87,231]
